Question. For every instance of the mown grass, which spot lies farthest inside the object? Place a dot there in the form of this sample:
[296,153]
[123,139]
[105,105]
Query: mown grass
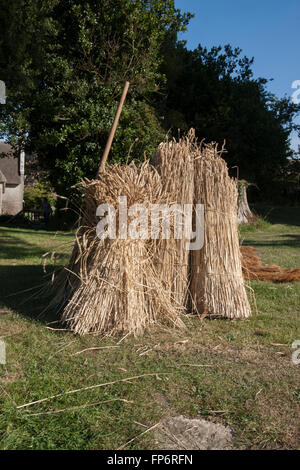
[237,373]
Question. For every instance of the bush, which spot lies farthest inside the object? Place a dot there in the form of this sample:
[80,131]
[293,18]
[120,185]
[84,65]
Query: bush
[33,197]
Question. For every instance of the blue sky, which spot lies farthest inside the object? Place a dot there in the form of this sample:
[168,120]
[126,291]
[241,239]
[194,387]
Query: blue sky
[268,30]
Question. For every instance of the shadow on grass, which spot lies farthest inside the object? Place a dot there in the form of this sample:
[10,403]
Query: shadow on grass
[37,230]
[278,215]
[26,290]
[288,240]
[33,231]
[13,247]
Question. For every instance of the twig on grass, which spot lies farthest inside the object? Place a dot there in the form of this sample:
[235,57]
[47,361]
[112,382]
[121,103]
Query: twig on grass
[129,333]
[73,408]
[140,424]
[85,388]
[93,349]
[219,411]
[173,437]
[198,365]
[61,349]
[145,352]
[139,435]
[57,329]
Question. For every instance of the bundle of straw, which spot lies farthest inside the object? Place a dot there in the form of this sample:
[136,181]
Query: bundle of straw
[217,285]
[174,162]
[254,268]
[111,286]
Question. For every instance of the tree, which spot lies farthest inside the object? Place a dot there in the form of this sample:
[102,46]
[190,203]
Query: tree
[215,92]
[65,73]
[65,62]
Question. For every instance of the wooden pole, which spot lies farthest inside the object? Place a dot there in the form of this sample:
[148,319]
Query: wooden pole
[113,129]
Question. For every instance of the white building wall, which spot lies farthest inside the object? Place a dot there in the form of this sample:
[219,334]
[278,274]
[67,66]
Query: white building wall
[12,199]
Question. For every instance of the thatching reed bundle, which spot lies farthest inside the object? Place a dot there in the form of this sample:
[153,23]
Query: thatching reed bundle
[111,286]
[254,269]
[217,285]
[244,214]
[174,162]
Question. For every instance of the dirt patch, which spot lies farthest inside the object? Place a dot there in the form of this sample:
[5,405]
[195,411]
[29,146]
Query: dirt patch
[161,400]
[180,433]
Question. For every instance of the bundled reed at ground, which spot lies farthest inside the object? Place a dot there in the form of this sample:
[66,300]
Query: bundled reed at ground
[217,285]
[254,269]
[112,286]
[174,162]
[122,284]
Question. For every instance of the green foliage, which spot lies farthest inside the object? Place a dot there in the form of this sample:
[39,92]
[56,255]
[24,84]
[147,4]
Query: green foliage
[33,197]
[215,92]
[65,63]
[259,223]
[71,69]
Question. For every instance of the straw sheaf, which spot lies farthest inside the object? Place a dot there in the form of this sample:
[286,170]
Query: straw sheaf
[217,284]
[175,164]
[112,286]
[115,286]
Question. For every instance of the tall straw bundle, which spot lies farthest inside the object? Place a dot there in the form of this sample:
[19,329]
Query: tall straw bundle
[111,286]
[217,285]
[174,162]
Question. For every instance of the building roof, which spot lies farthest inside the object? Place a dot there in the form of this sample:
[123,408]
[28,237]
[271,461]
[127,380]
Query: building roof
[9,166]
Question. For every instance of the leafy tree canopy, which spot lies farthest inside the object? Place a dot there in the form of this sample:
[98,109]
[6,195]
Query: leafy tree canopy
[64,64]
[215,92]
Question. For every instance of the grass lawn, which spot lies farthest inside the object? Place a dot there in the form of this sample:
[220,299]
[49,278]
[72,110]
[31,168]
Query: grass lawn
[236,373]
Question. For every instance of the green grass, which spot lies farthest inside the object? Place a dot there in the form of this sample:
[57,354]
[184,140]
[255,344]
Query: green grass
[250,384]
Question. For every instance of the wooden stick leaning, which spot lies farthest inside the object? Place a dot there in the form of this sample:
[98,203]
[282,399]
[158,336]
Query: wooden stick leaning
[113,129]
